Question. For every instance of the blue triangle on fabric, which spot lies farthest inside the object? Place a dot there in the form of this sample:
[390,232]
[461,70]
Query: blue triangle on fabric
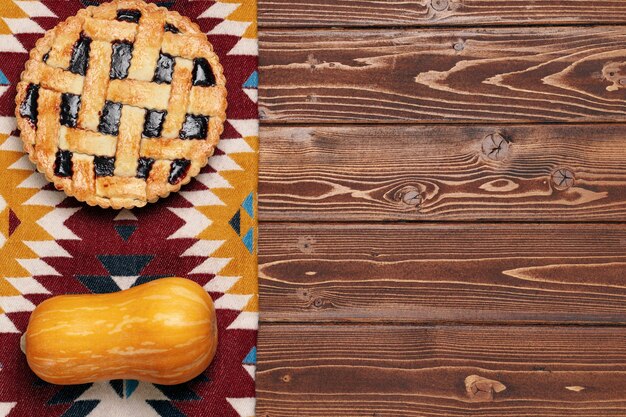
[235,222]
[131,386]
[68,394]
[125,265]
[125,230]
[248,239]
[250,358]
[165,408]
[252,81]
[81,408]
[248,204]
[3,79]
[98,284]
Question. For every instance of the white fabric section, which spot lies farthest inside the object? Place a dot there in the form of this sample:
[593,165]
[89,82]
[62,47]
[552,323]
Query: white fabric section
[125,214]
[5,408]
[213,180]
[243,406]
[224,163]
[23,25]
[232,301]
[220,10]
[203,248]
[22,163]
[252,94]
[46,198]
[221,284]
[251,370]
[111,404]
[7,124]
[246,127]
[35,9]
[9,43]
[53,223]
[245,46]
[6,326]
[202,198]
[12,143]
[47,248]
[124,282]
[211,266]
[15,303]
[195,222]
[37,267]
[35,180]
[230,27]
[28,285]
[238,145]
[247,320]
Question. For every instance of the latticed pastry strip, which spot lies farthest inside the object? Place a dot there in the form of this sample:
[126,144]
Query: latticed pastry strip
[122,103]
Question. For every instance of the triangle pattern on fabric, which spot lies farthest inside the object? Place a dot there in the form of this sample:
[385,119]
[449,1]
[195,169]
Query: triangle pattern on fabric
[125,230]
[235,222]
[124,265]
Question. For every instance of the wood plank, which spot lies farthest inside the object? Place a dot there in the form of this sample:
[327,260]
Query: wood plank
[475,172]
[530,273]
[553,74]
[407,371]
[398,13]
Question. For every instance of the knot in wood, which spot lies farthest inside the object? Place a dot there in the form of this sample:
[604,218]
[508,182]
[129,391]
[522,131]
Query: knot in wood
[286,378]
[458,46]
[482,389]
[305,244]
[318,303]
[409,195]
[615,72]
[439,5]
[495,147]
[563,179]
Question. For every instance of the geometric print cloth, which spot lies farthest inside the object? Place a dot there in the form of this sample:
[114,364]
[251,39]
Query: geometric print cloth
[51,244]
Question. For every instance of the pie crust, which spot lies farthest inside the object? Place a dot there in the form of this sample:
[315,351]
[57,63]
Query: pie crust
[121,104]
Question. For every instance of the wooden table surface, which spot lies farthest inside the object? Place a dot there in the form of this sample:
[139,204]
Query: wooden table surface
[443,208]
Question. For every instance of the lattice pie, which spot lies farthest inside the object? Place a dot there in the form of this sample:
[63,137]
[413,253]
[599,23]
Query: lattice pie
[122,103]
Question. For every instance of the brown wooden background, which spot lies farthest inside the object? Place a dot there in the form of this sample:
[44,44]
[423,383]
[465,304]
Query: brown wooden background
[443,207]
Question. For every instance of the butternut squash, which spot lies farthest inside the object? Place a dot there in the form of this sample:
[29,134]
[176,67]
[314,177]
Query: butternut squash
[164,331]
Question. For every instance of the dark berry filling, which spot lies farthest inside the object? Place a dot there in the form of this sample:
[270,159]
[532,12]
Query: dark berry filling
[28,107]
[45,57]
[63,164]
[153,123]
[179,170]
[120,60]
[203,73]
[128,15]
[70,105]
[164,69]
[110,118]
[171,28]
[80,56]
[103,166]
[194,127]
[143,167]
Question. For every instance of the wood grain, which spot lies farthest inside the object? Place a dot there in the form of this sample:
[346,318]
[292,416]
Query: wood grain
[468,173]
[397,13]
[524,273]
[463,75]
[441,371]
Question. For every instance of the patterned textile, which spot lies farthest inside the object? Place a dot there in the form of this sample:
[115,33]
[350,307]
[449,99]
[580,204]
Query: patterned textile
[51,244]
